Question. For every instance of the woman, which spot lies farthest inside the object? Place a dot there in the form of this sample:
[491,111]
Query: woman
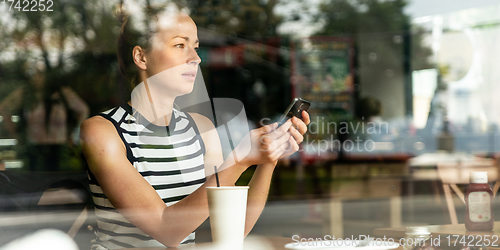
[147,160]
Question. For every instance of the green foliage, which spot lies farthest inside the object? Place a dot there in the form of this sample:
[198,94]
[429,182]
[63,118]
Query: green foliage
[362,16]
[74,45]
[60,43]
[248,19]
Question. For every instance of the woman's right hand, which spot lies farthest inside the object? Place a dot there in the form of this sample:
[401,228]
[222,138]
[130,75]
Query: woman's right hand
[266,144]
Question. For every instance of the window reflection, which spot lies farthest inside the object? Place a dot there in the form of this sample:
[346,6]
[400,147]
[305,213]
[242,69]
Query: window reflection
[397,89]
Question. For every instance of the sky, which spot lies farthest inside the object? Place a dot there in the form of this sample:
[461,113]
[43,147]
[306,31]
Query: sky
[421,8]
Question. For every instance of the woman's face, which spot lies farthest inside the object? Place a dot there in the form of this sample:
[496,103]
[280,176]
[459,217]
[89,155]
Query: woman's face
[172,62]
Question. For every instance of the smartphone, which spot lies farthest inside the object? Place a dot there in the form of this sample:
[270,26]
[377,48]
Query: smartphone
[295,109]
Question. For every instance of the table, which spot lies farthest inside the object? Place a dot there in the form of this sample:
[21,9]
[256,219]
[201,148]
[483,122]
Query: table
[447,169]
[251,242]
[424,167]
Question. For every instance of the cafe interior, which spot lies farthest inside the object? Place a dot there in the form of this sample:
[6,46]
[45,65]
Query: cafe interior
[402,95]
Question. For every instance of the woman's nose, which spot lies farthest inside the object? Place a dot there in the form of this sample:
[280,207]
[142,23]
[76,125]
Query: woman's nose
[194,58]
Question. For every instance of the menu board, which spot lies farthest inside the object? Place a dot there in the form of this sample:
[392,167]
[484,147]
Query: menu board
[323,74]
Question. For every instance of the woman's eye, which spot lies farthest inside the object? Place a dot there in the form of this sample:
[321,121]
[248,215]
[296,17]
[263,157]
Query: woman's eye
[196,49]
[179,46]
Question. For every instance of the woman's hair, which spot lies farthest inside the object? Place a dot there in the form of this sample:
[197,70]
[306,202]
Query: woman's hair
[128,38]
[138,30]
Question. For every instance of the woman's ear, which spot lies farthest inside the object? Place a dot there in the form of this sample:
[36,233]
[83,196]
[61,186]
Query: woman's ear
[139,56]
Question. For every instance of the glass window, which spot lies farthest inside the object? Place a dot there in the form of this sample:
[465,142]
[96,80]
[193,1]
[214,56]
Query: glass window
[398,91]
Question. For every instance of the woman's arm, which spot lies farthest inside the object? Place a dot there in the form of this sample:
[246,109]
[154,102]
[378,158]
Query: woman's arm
[136,199]
[261,180]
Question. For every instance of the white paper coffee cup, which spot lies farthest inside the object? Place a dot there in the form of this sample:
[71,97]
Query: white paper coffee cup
[227,207]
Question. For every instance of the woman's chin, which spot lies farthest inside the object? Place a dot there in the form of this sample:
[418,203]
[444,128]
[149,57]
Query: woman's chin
[186,90]
[183,88]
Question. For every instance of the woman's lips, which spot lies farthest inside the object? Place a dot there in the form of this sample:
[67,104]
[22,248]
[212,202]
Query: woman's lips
[190,76]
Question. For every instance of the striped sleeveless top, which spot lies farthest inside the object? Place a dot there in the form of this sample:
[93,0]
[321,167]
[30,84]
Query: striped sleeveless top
[170,158]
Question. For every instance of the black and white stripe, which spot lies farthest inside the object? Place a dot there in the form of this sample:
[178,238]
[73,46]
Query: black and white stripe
[170,158]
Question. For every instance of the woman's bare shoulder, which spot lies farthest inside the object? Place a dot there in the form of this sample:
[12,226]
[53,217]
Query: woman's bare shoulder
[98,130]
[96,124]
[101,144]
